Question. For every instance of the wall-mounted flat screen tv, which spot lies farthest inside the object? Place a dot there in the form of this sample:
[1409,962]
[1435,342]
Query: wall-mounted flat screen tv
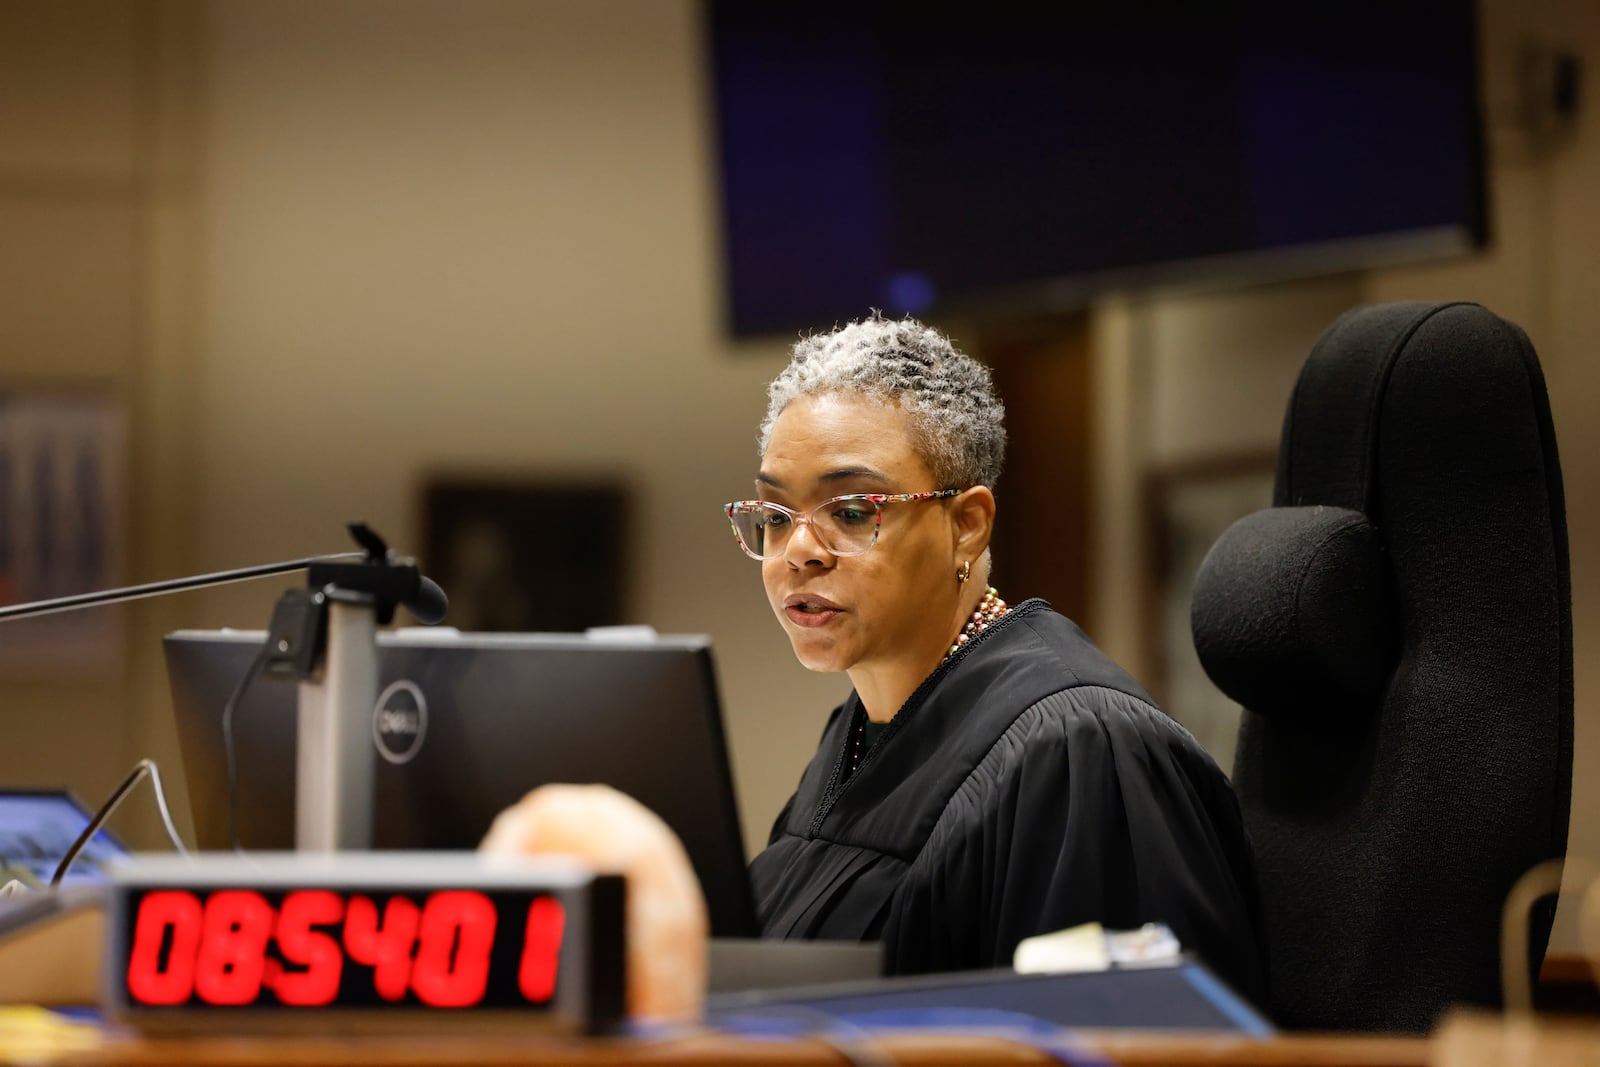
[934,156]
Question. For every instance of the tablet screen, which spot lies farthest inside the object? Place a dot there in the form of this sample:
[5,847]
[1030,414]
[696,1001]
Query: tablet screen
[37,828]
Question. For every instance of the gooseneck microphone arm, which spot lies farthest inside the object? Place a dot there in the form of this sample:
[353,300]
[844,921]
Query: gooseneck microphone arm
[325,637]
[174,585]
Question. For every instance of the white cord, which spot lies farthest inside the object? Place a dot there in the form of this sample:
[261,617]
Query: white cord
[161,805]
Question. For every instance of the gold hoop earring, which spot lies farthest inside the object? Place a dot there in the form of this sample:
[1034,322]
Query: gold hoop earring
[965,572]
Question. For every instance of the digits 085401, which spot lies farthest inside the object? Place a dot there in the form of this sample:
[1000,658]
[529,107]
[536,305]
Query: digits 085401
[321,947]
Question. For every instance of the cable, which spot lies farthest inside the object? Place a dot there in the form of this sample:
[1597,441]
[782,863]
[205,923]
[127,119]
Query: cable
[142,768]
[161,806]
[227,739]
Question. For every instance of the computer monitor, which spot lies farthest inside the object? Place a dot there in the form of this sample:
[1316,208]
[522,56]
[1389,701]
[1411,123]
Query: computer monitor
[465,725]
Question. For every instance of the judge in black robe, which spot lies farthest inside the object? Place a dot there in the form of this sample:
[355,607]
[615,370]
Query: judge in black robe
[1028,785]
[993,775]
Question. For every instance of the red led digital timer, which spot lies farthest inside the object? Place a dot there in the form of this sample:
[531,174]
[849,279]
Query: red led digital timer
[364,934]
[215,949]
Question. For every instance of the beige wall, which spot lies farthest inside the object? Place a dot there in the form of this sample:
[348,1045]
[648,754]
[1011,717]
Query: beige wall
[95,203]
[1184,377]
[463,237]
[323,250]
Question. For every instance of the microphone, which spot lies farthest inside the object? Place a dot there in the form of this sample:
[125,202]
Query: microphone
[430,603]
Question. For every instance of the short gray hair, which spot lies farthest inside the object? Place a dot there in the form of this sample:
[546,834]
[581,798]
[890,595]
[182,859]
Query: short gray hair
[959,421]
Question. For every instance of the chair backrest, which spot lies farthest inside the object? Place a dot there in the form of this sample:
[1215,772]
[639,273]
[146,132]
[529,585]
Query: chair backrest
[1398,628]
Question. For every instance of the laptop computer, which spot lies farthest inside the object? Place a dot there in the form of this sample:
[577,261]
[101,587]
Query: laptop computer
[465,725]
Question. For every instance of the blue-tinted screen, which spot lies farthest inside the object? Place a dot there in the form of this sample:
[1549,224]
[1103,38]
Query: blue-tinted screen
[912,156]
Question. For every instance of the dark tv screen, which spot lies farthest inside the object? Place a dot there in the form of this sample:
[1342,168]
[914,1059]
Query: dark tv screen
[928,157]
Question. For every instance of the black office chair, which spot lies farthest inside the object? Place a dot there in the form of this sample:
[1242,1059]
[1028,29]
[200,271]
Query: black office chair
[1398,628]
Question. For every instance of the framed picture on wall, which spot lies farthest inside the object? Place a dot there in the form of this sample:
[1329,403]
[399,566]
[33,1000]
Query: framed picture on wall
[63,527]
[522,556]
[1187,507]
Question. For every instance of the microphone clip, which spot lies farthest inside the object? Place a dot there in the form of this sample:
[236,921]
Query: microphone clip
[383,580]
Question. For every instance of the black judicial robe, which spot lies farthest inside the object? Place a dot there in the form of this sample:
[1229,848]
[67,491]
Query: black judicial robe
[1028,785]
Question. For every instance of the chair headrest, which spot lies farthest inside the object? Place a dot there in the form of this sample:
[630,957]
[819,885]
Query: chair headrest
[1294,613]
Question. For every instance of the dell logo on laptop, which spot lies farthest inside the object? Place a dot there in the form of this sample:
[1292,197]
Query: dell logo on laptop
[400,721]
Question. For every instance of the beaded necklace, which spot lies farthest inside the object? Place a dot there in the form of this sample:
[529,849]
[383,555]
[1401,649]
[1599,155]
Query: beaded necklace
[990,608]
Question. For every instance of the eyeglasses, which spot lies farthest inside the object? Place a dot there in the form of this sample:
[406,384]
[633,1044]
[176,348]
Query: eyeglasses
[844,526]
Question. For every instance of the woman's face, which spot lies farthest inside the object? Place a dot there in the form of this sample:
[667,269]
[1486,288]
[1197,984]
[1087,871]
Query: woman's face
[897,599]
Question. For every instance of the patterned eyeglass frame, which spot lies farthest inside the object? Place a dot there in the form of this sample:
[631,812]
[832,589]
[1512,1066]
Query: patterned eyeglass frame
[878,500]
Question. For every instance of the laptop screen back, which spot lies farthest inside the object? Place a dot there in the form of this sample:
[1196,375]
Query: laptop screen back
[466,724]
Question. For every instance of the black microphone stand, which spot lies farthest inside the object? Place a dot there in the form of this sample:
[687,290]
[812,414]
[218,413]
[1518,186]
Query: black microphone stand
[175,585]
[324,636]
[327,636]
